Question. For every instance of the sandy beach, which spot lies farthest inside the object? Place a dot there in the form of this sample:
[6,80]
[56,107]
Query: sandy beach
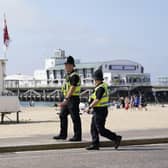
[45,120]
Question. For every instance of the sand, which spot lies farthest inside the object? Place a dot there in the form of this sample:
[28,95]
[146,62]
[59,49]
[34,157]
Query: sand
[36,121]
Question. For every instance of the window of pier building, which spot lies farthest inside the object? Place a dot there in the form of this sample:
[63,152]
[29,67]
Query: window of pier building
[81,73]
[51,75]
[89,73]
[122,67]
[58,74]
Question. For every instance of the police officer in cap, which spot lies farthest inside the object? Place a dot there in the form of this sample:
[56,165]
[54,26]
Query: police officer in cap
[70,105]
[99,105]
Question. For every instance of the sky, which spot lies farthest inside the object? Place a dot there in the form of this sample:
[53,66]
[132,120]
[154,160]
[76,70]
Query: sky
[90,30]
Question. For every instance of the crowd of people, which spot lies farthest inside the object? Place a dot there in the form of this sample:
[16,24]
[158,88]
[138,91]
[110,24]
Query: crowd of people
[132,102]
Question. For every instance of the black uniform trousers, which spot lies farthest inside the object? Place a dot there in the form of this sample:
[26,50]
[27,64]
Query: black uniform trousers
[98,125]
[71,108]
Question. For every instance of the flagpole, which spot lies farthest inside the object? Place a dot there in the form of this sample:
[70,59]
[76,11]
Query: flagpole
[5,54]
[6,40]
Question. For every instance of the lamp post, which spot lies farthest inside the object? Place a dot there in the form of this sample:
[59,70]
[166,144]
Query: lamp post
[2,74]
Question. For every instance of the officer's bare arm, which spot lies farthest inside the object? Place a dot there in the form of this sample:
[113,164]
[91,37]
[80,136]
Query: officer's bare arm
[94,103]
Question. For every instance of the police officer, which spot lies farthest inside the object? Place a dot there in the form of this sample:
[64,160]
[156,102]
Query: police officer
[99,103]
[70,104]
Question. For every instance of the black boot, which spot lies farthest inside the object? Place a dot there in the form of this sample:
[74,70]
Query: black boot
[92,147]
[59,137]
[75,139]
[117,142]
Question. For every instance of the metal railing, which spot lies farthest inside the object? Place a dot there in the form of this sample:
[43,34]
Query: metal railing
[13,84]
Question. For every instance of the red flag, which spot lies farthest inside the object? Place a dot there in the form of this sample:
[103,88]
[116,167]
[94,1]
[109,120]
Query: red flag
[6,37]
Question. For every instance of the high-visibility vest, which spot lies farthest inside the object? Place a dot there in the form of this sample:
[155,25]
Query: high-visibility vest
[103,102]
[66,86]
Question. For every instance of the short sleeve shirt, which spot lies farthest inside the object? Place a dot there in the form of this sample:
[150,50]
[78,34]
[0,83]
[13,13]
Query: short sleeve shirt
[99,93]
[74,79]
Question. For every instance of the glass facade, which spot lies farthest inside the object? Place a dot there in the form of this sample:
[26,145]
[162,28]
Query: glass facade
[122,67]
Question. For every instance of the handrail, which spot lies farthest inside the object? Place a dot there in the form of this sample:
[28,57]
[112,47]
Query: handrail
[43,84]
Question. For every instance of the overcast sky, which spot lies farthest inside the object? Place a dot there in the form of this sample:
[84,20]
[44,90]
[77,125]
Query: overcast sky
[90,30]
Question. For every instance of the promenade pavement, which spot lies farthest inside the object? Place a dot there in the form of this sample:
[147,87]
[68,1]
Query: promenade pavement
[39,124]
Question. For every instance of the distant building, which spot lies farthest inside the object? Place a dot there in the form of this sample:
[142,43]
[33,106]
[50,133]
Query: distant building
[116,72]
[19,80]
[56,74]
[124,72]
[163,80]
[57,59]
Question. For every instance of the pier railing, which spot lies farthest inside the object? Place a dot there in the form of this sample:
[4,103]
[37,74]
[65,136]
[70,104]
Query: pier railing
[15,84]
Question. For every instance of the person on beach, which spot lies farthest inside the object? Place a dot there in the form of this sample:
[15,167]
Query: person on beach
[137,101]
[99,105]
[143,103]
[127,103]
[70,104]
[122,102]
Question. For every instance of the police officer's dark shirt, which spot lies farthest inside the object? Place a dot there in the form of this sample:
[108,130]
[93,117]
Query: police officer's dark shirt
[99,93]
[74,79]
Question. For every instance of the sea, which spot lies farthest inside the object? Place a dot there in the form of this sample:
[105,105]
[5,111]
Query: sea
[37,104]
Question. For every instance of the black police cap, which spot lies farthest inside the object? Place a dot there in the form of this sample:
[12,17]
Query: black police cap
[70,60]
[98,75]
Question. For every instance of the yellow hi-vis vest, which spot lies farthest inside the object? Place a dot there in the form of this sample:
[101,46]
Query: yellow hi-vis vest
[66,86]
[103,102]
